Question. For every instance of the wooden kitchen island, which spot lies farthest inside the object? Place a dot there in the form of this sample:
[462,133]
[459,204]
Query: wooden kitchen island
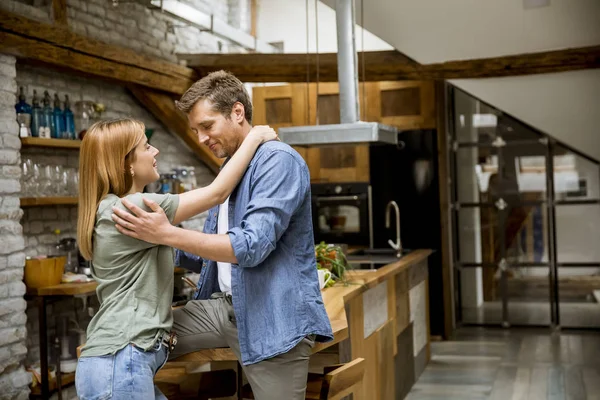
[387,314]
[379,315]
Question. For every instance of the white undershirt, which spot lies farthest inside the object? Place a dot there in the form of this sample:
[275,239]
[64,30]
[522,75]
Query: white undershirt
[223,267]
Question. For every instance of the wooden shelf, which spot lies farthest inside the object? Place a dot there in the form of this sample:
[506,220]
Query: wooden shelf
[65,289]
[48,201]
[66,380]
[54,143]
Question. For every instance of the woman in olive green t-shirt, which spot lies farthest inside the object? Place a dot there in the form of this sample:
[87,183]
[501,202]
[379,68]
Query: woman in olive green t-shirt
[124,347]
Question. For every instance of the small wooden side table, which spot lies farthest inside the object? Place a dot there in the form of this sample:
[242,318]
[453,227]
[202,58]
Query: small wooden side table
[42,296]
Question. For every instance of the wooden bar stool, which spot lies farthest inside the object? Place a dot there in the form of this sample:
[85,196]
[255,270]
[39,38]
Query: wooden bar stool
[337,382]
[176,383]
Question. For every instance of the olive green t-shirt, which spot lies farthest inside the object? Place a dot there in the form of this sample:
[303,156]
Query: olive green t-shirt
[135,282]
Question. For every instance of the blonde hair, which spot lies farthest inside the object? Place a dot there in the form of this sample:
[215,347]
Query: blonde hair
[107,151]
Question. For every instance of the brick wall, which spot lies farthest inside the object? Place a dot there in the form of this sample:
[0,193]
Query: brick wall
[239,14]
[13,378]
[136,26]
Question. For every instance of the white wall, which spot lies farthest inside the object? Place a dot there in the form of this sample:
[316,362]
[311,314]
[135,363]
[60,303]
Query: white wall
[565,105]
[436,31]
[285,20]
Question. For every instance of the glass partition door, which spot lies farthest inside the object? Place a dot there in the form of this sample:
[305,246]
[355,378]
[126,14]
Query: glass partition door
[526,213]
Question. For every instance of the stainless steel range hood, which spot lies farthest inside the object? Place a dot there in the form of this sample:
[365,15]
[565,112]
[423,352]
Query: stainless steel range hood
[350,133]
[351,130]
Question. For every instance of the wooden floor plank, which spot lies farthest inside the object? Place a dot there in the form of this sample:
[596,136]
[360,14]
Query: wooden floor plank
[560,349]
[451,391]
[538,386]
[576,350]
[574,383]
[527,350]
[534,364]
[591,349]
[591,382]
[522,381]
[459,377]
[504,384]
[556,383]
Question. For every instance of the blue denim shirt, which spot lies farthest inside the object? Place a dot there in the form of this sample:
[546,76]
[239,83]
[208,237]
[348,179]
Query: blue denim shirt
[275,287]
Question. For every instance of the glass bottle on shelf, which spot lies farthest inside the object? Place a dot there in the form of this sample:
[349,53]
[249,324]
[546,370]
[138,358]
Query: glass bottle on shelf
[47,117]
[192,178]
[58,119]
[83,117]
[69,119]
[36,116]
[176,185]
[165,184]
[23,115]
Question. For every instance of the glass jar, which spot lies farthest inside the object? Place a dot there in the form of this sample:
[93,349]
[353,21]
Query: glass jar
[86,114]
[84,117]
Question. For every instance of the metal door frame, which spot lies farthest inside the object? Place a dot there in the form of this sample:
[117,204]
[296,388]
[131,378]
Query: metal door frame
[549,201]
[502,208]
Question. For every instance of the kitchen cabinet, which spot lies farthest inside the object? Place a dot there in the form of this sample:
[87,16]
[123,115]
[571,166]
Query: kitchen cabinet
[406,105]
[279,106]
[339,163]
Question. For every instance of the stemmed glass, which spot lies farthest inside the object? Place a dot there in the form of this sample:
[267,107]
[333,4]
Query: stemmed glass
[72,182]
[46,181]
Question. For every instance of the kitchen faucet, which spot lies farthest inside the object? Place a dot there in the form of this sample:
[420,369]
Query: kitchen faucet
[398,244]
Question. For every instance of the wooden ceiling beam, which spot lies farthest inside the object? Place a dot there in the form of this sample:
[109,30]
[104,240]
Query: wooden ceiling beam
[162,106]
[390,65]
[56,45]
[64,59]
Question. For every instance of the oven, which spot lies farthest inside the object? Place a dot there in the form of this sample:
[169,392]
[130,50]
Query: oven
[342,213]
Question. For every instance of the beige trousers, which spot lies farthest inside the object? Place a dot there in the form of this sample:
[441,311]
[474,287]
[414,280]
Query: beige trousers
[208,324]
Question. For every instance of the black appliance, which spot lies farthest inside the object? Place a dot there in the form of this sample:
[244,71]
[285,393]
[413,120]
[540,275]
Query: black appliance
[408,175]
[342,213]
[354,213]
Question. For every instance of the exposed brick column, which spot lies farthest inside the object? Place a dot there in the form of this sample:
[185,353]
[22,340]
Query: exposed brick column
[14,380]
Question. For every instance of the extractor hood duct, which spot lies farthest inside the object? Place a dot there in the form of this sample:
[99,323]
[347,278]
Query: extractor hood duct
[351,130]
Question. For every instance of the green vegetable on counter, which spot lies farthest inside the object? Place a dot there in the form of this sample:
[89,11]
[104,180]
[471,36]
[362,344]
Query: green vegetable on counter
[332,258]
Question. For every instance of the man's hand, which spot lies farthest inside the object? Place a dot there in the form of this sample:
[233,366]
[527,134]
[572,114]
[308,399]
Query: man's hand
[149,227]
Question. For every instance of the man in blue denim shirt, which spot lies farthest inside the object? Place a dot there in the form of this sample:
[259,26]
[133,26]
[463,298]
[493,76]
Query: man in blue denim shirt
[258,291]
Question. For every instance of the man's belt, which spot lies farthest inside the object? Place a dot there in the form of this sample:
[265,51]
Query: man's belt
[169,339]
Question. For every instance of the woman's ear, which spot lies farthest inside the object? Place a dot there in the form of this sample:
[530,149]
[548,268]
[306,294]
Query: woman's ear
[131,171]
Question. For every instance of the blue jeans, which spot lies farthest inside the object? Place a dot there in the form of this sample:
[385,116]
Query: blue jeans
[127,374]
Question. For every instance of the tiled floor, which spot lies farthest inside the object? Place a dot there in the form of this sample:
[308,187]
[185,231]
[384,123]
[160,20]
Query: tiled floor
[515,364]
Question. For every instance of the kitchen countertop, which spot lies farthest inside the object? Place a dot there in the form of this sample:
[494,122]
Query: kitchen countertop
[359,281]
[335,299]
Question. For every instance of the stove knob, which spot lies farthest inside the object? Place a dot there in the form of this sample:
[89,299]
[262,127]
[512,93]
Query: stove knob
[338,189]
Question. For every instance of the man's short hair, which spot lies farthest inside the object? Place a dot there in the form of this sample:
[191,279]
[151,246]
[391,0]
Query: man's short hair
[222,89]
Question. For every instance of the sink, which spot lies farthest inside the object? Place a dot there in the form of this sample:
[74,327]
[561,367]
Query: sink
[373,252]
[374,258]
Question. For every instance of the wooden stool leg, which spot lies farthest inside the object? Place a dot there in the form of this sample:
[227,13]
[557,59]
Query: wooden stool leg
[240,381]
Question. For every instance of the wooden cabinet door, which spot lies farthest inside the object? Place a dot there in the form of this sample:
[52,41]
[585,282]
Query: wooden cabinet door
[404,104]
[283,106]
[280,106]
[336,163]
